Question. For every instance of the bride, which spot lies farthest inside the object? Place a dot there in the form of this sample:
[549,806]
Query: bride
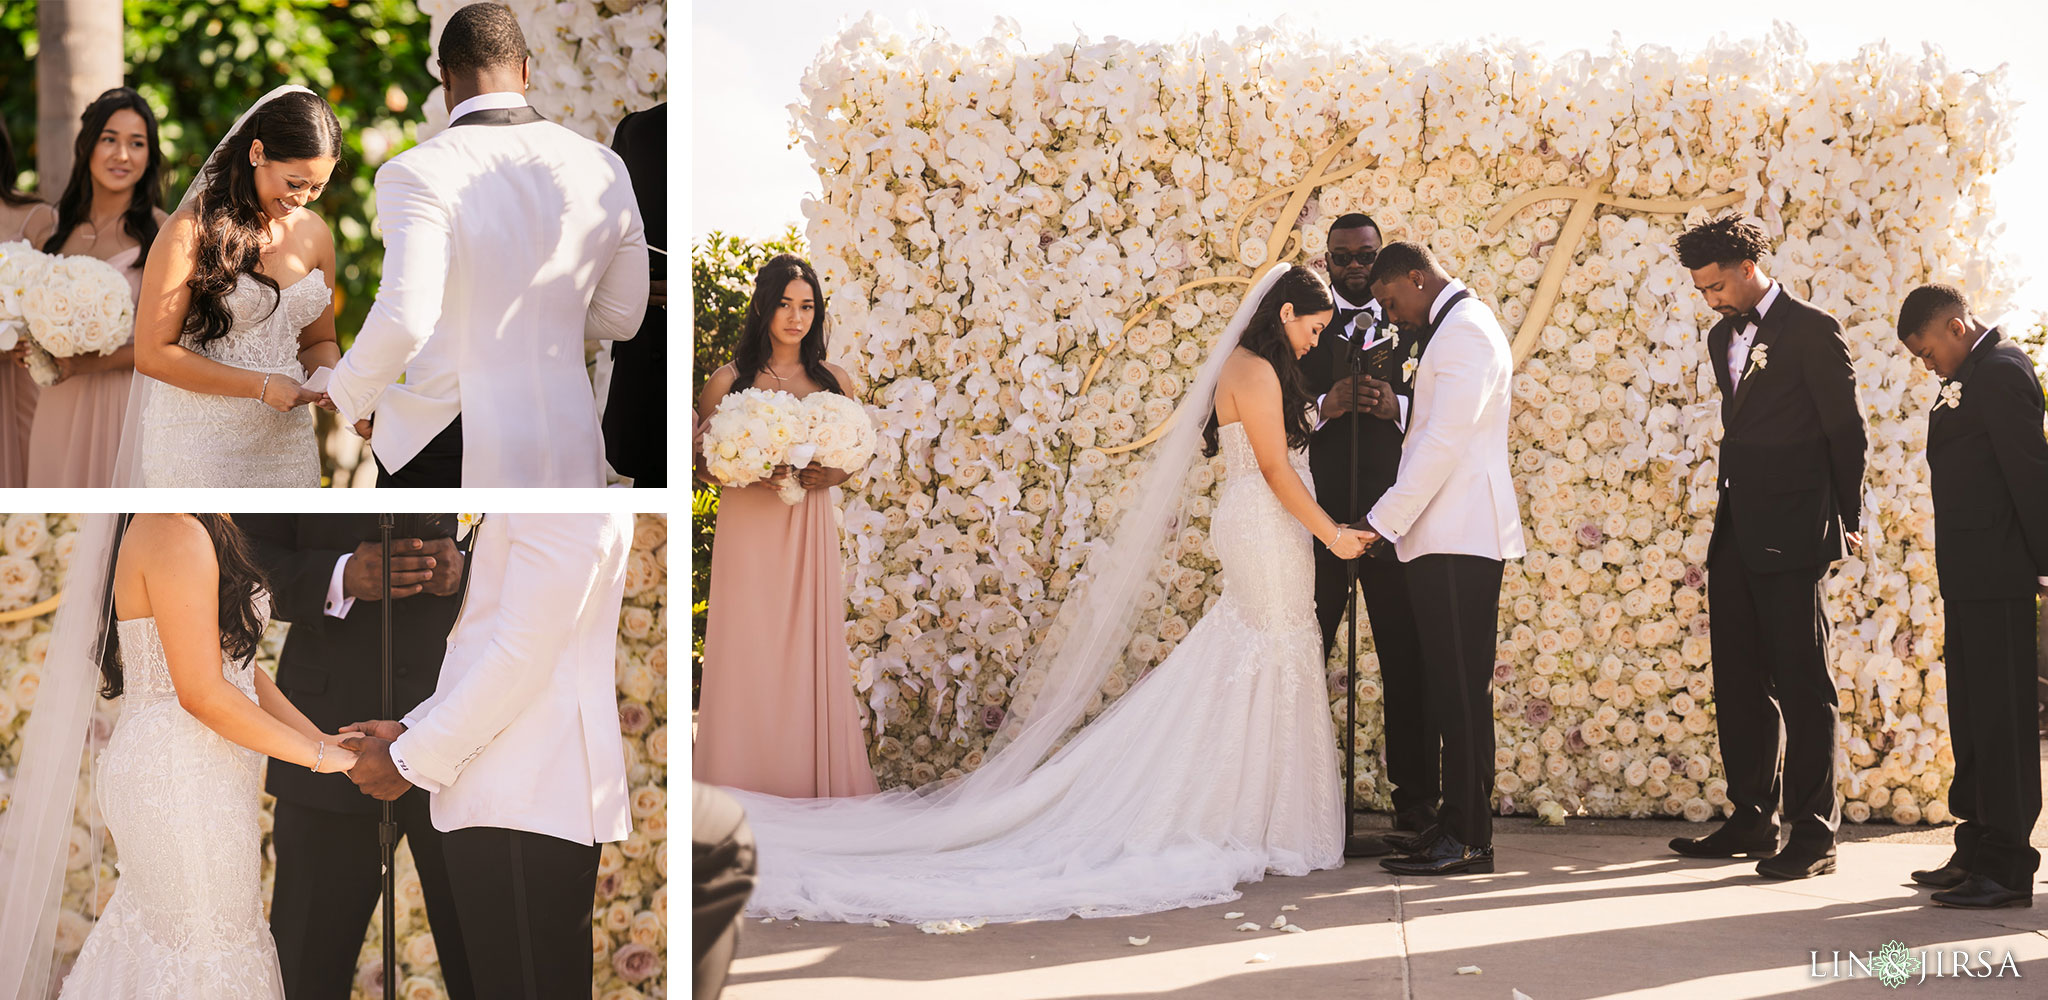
[1217,768]
[240,307]
[170,612]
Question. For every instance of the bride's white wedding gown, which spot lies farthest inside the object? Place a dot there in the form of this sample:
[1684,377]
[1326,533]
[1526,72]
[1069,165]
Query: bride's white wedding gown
[182,804]
[197,439]
[1218,767]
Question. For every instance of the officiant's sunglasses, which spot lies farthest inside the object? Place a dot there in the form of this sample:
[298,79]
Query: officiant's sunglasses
[1342,258]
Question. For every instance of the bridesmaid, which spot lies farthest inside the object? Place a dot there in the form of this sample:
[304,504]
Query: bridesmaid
[776,712]
[25,219]
[111,210]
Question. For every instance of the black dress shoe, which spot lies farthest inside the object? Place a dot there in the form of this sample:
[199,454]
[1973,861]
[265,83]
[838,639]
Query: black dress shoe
[1948,876]
[1444,857]
[1728,843]
[1415,843]
[1798,862]
[1980,893]
[1366,845]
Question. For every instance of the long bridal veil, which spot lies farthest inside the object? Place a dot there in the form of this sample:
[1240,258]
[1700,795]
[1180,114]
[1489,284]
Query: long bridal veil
[128,458]
[36,830]
[895,831]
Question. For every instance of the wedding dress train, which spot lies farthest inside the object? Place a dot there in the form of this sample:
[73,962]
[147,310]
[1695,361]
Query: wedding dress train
[182,804]
[1218,767]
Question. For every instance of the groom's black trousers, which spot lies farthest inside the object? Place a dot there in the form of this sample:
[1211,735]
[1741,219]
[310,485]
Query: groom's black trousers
[329,877]
[1457,615]
[439,464]
[525,900]
[1411,743]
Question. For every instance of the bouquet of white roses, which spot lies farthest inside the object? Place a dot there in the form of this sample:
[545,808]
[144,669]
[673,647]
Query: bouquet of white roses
[838,435]
[751,433]
[21,268]
[77,305]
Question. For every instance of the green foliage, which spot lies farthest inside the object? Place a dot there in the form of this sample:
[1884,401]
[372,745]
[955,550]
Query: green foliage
[721,280]
[201,64]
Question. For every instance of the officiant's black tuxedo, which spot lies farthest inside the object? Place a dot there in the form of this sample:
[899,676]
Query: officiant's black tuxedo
[636,406]
[1413,746]
[1990,477]
[1791,474]
[328,857]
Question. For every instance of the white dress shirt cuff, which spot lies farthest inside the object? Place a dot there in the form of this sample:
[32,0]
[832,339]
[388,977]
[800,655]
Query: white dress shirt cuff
[411,773]
[1319,413]
[1383,533]
[1402,421]
[338,602]
[2044,581]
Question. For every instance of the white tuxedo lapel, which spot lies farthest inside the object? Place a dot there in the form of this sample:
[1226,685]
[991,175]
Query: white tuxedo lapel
[506,248]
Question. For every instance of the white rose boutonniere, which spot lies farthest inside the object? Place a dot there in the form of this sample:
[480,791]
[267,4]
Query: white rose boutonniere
[1951,396]
[1759,357]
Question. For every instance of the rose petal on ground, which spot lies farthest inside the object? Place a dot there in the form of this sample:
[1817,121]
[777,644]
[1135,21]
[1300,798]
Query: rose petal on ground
[1468,970]
[1233,916]
[1247,926]
[1289,907]
[1140,942]
[879,922]
[1278,922]
[1258,957]
[1293,929]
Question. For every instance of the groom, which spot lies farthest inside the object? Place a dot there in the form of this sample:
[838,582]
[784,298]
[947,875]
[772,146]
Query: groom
[508,242]
[520,747]
[1452,517]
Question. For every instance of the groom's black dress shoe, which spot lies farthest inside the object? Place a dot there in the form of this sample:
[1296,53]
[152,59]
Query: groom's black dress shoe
[1797,861]
[1445,856]
[1980,893]
[1728,843]
[1414,843]
[1948,876]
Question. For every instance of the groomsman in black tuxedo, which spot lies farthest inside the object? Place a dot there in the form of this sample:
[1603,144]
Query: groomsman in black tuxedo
[326,578]
[1990,475]
[636,405]
[1370,405]
[1791,468]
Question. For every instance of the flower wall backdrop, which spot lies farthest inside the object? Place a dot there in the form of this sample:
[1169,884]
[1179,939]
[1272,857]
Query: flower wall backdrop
[592,60]
[629,931]
[1002,233]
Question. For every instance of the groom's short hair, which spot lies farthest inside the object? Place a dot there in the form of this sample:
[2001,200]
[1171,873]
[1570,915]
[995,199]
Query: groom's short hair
[481,36]
[1400,258]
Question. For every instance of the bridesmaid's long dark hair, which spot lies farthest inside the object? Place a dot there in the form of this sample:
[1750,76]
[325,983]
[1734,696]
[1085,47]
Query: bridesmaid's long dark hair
[756,343]
[295,126]
[241,627]
[9,171]
[139,219]
[1264,336]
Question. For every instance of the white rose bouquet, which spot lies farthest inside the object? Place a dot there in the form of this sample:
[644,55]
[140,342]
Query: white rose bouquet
[751,433]
[78,305]
[21,268]
[839,435]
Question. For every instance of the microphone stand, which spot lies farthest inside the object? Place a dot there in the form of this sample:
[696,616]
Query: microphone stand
[387,825]
[1355,845]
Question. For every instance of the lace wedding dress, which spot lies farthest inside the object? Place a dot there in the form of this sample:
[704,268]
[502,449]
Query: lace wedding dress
[197,439]
[182,804]
[1217,768]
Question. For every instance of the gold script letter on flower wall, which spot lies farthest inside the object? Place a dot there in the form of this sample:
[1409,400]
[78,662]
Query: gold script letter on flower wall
[1287,236]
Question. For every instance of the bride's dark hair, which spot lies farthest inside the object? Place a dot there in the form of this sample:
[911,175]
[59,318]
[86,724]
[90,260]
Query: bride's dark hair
[295,126]
[241,627]
[751,354]
[139,218]
[1264,336]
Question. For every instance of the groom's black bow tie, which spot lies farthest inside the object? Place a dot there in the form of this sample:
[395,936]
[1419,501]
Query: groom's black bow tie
[1748,318]
[499,116]
[1345,316]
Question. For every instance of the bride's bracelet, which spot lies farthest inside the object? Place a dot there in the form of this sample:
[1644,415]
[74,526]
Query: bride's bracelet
[264,393]
[1338,537]
[319,754]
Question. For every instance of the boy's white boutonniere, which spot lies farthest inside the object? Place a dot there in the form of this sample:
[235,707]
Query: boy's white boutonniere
[1759,357]
[464,523]
[1951,396]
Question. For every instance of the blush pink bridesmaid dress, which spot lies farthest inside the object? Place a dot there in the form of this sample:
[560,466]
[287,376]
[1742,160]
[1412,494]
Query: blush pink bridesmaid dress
[776,710]
[78,421]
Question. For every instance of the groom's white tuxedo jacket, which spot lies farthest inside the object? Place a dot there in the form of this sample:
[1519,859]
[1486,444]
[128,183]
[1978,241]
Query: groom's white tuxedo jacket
[1455,494]
[505,248]
[522,732]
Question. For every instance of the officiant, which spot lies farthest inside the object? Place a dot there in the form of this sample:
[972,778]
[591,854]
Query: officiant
[326,578]
[1362,400]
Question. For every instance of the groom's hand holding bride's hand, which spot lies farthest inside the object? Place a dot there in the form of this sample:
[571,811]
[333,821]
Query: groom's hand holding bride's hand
[375,773]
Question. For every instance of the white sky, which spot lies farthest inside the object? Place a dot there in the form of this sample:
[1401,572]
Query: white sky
[747,59]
